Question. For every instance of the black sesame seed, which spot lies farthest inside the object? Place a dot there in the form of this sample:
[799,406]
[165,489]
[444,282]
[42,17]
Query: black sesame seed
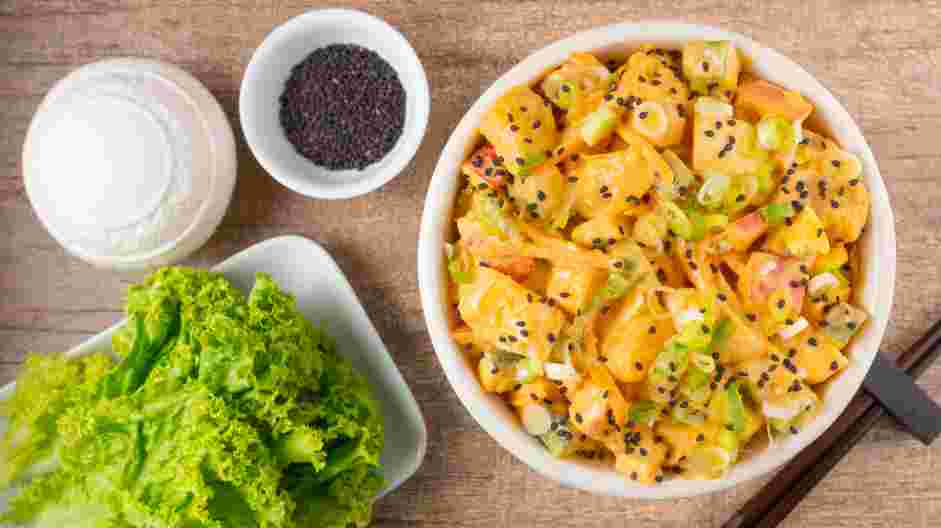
[326,116]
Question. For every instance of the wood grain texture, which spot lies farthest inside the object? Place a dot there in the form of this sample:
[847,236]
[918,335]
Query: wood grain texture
[880,58]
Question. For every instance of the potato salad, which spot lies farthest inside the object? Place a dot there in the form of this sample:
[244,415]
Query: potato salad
[653,259]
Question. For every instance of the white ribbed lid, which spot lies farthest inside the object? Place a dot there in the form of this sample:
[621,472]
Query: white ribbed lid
[129,163]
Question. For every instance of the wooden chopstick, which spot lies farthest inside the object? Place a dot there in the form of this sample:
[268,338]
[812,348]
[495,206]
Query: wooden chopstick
[795,480]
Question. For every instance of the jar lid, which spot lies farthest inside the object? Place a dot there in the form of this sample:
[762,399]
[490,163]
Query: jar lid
[129,163]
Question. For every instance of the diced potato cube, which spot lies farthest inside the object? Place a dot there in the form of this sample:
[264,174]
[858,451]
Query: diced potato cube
[643,458]
[573,289]
[767,99]
[711,65]
[818,359]
[669,271]
[683,438]
[493,378]
[745,343]
[601,231]
[820,303]
[804,237]
[521,128]
[542,391]
[606,183]
[723,143]
[843,203]
[577,78]
[540,194]
[661,123]
[597,410]
[767,377]
[832,261]
[631,344]
[509,317]
[650,77]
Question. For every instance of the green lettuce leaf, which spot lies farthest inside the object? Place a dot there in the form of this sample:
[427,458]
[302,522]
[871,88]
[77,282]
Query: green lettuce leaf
[225,411]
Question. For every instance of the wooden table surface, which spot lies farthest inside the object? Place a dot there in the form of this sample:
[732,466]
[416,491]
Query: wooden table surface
[880,58]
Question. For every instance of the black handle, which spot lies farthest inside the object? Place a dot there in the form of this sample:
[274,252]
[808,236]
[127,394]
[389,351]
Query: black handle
[897,392]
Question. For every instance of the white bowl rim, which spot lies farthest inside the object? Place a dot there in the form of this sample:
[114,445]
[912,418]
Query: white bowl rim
[877,290]
[402,153]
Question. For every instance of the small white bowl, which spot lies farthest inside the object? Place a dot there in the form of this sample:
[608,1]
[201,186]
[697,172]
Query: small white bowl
[129,163]
[288,45]
[492,413]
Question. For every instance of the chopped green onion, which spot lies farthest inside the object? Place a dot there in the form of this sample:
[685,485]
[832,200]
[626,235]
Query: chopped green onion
[672,360]
[677,220]
[528,370]
[707,461]
[697,386]
[683,178]
[713,107]
[643,412]
[599,124]
[721,335]
[735,408]
[765,181]
[688,416]
[713,223]
[775,133]
[459,272]
[704,362]
[776,213]
[650,229]
[729,441]
[560,91]
[713,189]
[698,223]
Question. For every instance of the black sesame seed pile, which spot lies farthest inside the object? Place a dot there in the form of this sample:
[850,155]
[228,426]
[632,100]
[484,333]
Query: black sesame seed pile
[343,107]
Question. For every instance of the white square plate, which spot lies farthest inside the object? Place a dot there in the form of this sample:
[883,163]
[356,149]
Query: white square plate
[303,268]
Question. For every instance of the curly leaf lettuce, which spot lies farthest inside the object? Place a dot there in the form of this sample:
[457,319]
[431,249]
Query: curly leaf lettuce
[224,411]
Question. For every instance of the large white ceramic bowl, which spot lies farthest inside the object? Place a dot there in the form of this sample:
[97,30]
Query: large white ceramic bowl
[288,45]
[875,292]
